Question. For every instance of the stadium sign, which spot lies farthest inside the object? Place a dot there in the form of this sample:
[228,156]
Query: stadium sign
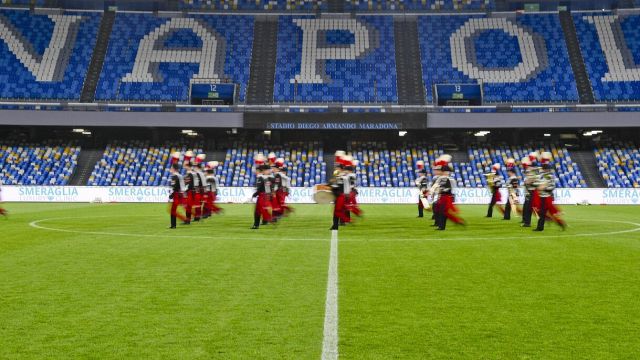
[334,126]
[298,195]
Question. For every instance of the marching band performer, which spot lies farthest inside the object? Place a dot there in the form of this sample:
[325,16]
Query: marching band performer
[352,202]
[513,183]
[190,186]
[531,174]
[282,184]
[445,186]
[200,193]
[178,188]
[546,184]
[341,186]
[211,189]
[422,182]
[3,212]
[433,186]
[264,184]
[272,158]
[494,183]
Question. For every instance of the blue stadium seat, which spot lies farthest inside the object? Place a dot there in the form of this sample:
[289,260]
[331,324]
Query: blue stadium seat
[381,166]
[545,74]
[305,163]
[254,5]
[618,164]
[419,5]
[171,82]
[367,79]
[48,163]
[136,163]
[622,45]
[26,75]
[481,159]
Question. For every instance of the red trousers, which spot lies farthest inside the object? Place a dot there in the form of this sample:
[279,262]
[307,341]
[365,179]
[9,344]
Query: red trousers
[352,204]
[178,200]
[497,196]
[535,201]
[279,203]
[210,203]
[263,206]
[449,208]
[340,208]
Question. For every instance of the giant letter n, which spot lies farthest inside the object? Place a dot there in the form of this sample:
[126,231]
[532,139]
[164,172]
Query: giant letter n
[315,51]
[151,52]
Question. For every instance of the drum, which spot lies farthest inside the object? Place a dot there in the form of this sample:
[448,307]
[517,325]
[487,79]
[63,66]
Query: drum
[322,194]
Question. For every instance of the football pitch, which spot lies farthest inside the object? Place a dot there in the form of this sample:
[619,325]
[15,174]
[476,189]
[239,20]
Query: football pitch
[111,281]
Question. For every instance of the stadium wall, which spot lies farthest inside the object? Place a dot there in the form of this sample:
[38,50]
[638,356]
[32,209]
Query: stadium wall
[240,195]
[327,121]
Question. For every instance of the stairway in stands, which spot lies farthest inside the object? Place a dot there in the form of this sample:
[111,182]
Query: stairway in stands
[86,162]
[263,60]
[583,83]
[97,59]
[586,160]
[408,66]
[335,6]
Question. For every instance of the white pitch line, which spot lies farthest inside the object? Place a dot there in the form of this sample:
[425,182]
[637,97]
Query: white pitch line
[330,335]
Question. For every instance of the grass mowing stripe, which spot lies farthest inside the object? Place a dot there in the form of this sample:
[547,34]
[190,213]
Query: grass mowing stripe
[330,336]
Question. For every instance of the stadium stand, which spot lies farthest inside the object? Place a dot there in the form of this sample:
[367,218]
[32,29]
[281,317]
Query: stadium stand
[23,2]
[618,164]
[305,163]
[350,68]
[254,5]
[131,71]
[44,57]
[382,166]
[46,163]
[535,68]
[481,159]
[419,5]
[137,163]
[612,43]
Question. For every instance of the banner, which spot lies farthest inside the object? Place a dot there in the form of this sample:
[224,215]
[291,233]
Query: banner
[239,195]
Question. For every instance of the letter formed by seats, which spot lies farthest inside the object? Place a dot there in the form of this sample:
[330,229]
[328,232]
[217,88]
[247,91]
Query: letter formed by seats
[532,49]
[151,52]
[51,65]
[315,51]
[622,66]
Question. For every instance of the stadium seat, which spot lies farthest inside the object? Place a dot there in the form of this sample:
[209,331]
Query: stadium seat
[136,163]
[305,163]
[368,78]
[118,81]
[618,164]
[25,74]
[536,69]
[381,166]
[47,163]
[419,5]
[254,5]
[621,46]
[481,158]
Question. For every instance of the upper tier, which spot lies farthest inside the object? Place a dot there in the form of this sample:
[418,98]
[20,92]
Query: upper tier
[149,58]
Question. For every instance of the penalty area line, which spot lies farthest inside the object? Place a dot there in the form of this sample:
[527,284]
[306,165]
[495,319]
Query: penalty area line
[330,333]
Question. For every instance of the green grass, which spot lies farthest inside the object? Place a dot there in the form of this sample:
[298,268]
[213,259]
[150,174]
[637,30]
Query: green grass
[112,282]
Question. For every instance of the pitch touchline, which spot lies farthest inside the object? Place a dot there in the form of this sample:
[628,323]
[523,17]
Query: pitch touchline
[36,224]
[330,333]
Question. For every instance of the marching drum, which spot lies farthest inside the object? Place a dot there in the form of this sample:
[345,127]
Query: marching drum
[322,194]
